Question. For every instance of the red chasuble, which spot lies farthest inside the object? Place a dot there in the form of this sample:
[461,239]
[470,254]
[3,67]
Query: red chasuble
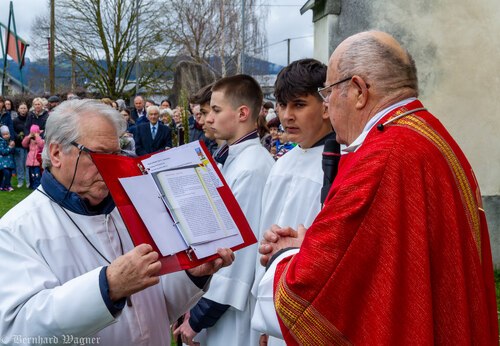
[400,253]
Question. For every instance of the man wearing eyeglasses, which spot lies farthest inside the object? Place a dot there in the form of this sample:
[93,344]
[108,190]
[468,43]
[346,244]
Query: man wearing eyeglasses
[69,270]
[400,252]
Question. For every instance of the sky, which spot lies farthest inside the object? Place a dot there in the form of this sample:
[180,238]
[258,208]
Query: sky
[283,22]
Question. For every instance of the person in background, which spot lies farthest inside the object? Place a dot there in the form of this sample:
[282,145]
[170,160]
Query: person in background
[166,117]
[149,103]
[274,125]
[400,253]
[130,123]
[195,130]
[265,109]
[5,118]
[202,97]
[53,102]
[138,113]
[107,101]
[127,142]
[20,153]
[9,108]
[178,125]
[34,142]
[121,105]
[284,145]
[152,136]
[264,135]
[38,116]
[7,164]
[72,96]
[165,104]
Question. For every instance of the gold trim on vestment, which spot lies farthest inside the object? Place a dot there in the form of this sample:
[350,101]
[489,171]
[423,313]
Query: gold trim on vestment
[303,321]
[471,206]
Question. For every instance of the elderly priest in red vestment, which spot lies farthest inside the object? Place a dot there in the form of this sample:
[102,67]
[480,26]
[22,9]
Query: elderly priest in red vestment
[400,253]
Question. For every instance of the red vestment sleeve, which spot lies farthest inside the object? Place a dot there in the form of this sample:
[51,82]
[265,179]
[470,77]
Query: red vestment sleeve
[400,253]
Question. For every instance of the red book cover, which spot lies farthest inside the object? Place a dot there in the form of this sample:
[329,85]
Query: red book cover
[114,167]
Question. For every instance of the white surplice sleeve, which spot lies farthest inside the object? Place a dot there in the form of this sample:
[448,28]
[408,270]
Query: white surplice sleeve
[33,301]
[264,318]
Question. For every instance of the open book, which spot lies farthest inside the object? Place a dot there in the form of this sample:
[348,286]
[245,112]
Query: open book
[177,201]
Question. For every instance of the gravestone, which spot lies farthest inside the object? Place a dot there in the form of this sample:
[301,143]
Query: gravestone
[191,77]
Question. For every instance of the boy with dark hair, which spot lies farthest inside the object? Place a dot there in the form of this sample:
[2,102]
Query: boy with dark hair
[202,98]
[292,192]
[225,310]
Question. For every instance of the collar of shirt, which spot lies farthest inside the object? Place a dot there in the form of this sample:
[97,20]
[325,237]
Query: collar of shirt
[72,201]
[361,138]
[221,156]
[151,126]
[323,140]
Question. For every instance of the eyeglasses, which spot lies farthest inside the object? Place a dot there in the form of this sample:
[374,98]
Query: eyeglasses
[327,91]
[83,148]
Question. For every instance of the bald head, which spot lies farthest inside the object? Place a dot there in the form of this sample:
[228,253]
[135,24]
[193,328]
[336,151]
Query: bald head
[380,59]
[383,37]
[367,73]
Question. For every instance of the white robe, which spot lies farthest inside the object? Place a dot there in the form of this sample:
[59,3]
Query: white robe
[291,197]
[49,277]
[245,171]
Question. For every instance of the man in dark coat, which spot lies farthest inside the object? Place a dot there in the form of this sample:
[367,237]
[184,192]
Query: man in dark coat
[138,112]
[152,136]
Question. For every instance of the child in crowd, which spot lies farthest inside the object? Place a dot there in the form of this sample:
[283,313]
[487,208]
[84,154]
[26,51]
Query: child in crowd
[284,145]
[273,126]
[34,143]
[7,165]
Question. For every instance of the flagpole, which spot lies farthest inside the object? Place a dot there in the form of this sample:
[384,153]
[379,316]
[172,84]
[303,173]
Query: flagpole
[20,58]
[5,55]
[52,55]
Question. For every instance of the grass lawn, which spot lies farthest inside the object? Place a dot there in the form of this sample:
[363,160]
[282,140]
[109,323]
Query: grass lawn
[10,199]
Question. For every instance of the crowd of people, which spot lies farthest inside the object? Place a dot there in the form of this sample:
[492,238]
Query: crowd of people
[150,127]
[396,252]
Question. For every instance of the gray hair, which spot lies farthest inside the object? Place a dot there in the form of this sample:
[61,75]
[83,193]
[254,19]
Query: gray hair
[63,124]
[152,108]
[121,104]
[379,64]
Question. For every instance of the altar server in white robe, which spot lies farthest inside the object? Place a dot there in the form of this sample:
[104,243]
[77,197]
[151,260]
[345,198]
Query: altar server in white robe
[292,192]
[225,311]
[69,271]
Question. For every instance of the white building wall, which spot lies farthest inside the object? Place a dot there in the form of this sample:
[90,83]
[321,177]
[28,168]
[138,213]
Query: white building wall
[456,47]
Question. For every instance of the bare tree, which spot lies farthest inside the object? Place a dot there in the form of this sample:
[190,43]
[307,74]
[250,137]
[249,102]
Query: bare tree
[203,29]
[102,35]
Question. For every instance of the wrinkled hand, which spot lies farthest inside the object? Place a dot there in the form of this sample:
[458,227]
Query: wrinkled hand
[209,268]
[185,331]
[277,238]
[134,271]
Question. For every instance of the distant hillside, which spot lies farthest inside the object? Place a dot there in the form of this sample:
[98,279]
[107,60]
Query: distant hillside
[35,73]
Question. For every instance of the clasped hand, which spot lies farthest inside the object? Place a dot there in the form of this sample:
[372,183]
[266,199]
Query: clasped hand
[277,238]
